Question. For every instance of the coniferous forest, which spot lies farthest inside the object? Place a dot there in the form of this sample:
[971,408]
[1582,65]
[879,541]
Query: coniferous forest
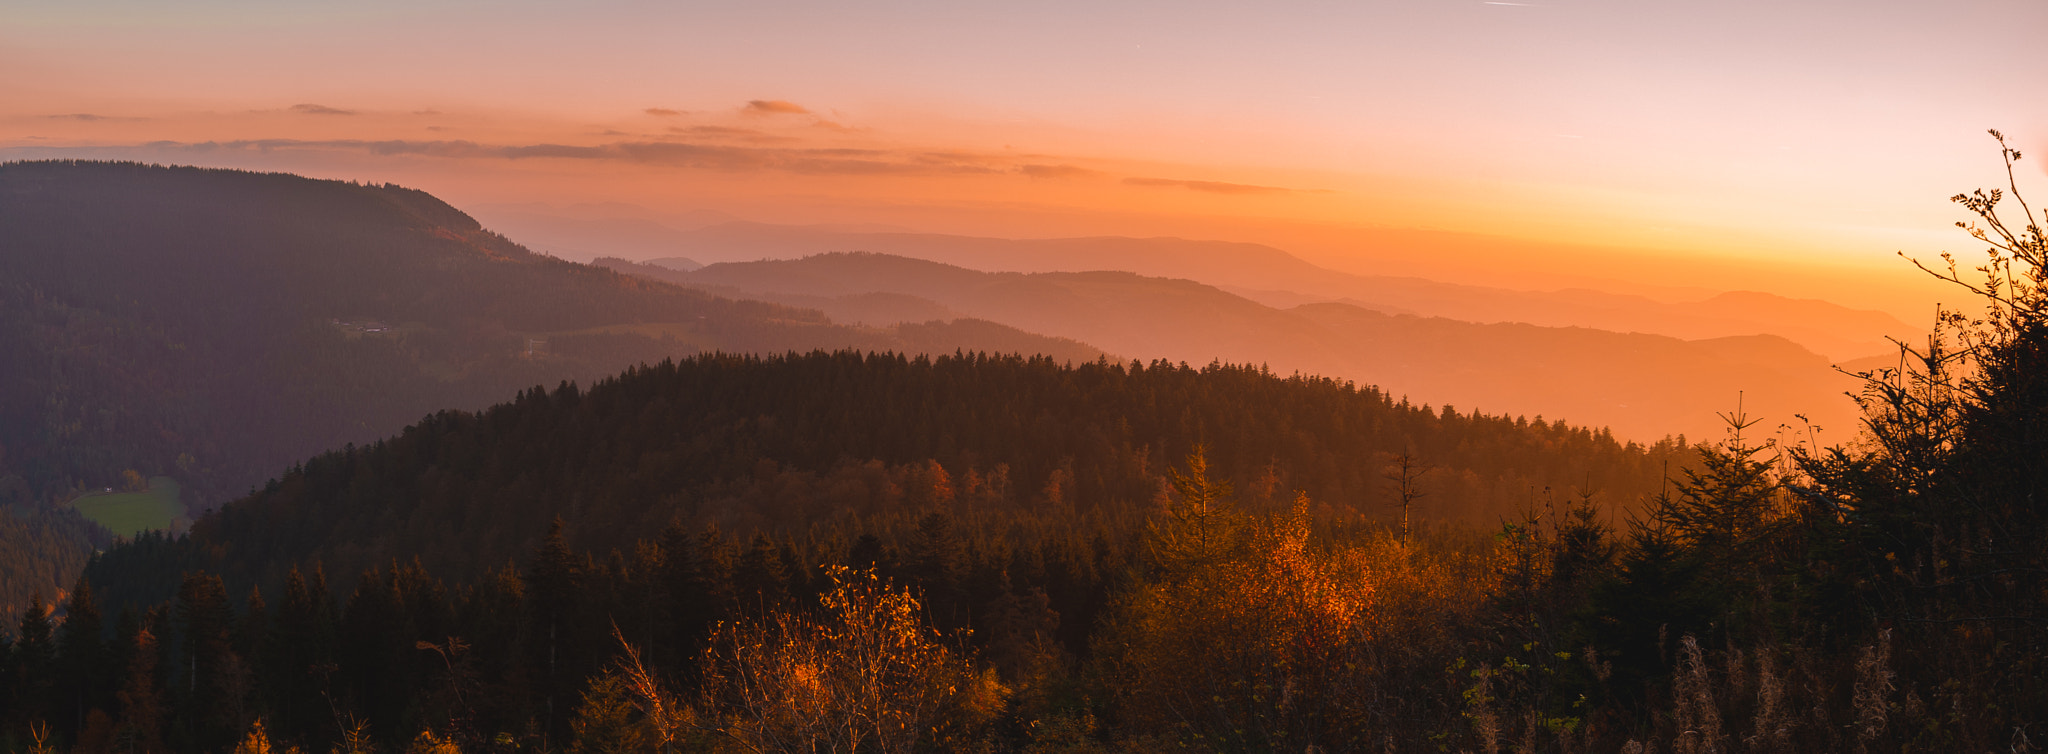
[855,551]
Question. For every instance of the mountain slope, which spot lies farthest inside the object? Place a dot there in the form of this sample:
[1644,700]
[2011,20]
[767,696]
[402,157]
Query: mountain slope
[216,326]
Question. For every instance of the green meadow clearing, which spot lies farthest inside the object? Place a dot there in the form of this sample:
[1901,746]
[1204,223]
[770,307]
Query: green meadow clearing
[130,513]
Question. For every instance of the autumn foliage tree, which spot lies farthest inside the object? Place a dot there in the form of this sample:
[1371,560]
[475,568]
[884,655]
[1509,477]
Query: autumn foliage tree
[863,672]
[1246,633]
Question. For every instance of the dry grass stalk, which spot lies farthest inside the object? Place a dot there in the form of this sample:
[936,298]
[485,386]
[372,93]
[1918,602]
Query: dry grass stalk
[1698,718]
[1873,688]
[1773,732]
[1484,721]
[1530,728]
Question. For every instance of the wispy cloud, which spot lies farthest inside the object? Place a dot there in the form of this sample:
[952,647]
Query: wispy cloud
[832,161]
[729,149]
[774,107]
[312,109]
[1210,187]
[91,117]
[1057,171]
[728,133]
[662,112]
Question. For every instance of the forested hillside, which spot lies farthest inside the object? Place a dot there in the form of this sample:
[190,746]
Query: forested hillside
[216,326]
[1018,497]
[802,444]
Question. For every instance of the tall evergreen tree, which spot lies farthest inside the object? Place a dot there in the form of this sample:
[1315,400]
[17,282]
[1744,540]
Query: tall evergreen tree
[296,656]
[86,674]
[35,666]
[6,678]
[760,579]
[936,559]
[495,621]
[140,730]
[688,603]
[206,703]
[554,592]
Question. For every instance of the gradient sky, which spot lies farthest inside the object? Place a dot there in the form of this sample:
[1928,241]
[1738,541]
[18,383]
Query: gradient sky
[1784,146]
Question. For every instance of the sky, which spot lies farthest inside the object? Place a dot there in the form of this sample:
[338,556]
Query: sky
[1648,145]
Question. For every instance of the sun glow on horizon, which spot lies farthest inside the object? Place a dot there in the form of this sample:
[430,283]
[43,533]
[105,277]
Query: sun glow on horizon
[1611,136]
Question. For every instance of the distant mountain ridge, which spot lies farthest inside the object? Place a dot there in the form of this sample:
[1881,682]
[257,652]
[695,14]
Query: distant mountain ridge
[1277,278]
[216,324]
[1643,386]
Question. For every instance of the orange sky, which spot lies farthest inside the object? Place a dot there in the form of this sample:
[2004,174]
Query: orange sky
[1619,143]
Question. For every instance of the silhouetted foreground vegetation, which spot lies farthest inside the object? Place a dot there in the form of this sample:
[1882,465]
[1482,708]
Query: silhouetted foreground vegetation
[1775,597]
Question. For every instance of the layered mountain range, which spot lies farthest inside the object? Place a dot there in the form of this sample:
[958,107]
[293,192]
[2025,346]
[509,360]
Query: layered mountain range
[1644,386]
[221,327]
[1259,272]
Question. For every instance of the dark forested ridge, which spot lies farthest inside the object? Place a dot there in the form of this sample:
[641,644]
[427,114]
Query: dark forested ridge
[476,575]
[216,326]
[787,444]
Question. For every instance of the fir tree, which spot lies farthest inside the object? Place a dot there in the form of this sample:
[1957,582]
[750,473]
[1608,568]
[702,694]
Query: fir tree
[35,667]
[82,657]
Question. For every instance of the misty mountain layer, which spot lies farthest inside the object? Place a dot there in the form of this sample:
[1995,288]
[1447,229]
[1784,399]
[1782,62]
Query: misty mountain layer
[1642,386]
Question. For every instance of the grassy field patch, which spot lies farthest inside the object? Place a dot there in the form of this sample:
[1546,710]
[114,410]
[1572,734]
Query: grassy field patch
[130,513]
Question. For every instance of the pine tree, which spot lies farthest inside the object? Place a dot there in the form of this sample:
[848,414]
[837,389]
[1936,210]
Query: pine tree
[35,668]
[689,607]
[1652,599]
[373,653]
[494,619]
[606,720]
[936,561]
[140,730]
[82,658]
[7,678]
[554,590]
[206,622]
[760,578]
[296,655]
[1202,524]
